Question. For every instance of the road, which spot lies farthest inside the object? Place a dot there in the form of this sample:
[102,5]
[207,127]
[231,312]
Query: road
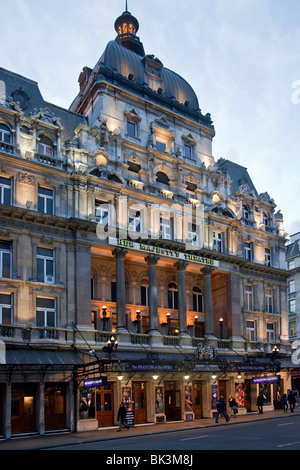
[275,434]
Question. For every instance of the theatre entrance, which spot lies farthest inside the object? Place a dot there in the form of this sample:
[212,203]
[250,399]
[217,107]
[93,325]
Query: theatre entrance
[197,399]
[23,408]
[172,400]
[55,406]
[105,405]
[139,402]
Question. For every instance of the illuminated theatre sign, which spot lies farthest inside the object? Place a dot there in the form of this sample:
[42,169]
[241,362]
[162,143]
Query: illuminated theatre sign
[143,247]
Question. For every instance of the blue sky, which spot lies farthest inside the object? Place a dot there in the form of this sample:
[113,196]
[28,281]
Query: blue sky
[242,57]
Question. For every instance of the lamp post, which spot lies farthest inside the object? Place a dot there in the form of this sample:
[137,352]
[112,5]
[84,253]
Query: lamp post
[112,344]
[221,323]
[104,314]
[138,322]
[169,323]
[196,326]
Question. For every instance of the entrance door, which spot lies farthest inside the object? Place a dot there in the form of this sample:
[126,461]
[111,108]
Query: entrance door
[197,399]
[139,402]
[172,401]
[23,405]
[55,406]
[104,405]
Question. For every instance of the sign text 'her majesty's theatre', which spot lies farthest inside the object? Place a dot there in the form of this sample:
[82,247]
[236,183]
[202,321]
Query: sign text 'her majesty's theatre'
[157,250]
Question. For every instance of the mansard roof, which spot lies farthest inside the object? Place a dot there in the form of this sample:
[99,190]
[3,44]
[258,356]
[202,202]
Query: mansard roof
[26,92]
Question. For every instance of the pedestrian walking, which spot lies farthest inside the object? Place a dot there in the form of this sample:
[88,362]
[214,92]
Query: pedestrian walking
[221,409]
[285,403]
[260,403]
[292,401]
[122,417]
[232,406]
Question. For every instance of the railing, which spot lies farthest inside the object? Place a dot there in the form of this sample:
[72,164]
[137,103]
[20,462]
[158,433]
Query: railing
[21,335]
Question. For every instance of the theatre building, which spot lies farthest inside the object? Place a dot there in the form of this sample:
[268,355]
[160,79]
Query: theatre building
[134,265]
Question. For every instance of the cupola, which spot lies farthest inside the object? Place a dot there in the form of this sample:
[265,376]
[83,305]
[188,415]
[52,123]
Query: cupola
[127,26]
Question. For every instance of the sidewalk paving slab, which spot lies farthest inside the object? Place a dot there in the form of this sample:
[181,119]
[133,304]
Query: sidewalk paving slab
[62,439]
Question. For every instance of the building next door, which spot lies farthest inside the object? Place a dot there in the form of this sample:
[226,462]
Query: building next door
[197,399]
[23,408]
[172,401]
[139,402]
[105,405]
[55,407]
[1,409]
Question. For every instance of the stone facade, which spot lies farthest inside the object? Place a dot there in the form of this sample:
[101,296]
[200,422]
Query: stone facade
[117,219]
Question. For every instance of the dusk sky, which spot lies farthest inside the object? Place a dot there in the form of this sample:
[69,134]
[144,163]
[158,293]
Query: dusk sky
[242,58]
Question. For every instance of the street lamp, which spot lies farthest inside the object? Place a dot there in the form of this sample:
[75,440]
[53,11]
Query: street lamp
[138,322]
[104,313]
[221,323]
[196,325]
[169,323]
[112,344]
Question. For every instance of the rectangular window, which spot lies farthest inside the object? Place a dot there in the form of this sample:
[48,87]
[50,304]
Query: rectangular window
[45,313]
[5,259]
[250,331]
[248,251]
[292,286]
[5,191]
[188,151]
[267,257]
[291,264]
[6,309]
[218,241]
[269,301]
[45,200]
[101,212]
[131,129]
[45,265]
[135,221]
[45,149]
[193,236]
[161,146]
[270,332]
[249,297]
[292,328]
[166,228]
[292,306]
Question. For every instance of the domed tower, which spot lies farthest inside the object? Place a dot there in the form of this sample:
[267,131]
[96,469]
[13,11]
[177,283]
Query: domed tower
[127,26]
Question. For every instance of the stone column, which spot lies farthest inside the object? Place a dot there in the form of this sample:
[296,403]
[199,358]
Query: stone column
[152,261]
[181,267]
[119,254]
[209,327]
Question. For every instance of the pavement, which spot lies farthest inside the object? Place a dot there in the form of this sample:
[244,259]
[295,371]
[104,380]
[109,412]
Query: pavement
[62,439]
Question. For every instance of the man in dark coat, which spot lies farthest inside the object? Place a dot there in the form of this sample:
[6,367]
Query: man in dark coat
[122,417]
[292,401]
[221,409]
[260,402]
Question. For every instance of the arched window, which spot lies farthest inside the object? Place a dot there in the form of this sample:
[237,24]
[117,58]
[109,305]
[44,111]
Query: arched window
[172,296]
[197,300]
[246,212]
[5,134]
[145,292]
[161,177]
[45,146]
[266,219]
